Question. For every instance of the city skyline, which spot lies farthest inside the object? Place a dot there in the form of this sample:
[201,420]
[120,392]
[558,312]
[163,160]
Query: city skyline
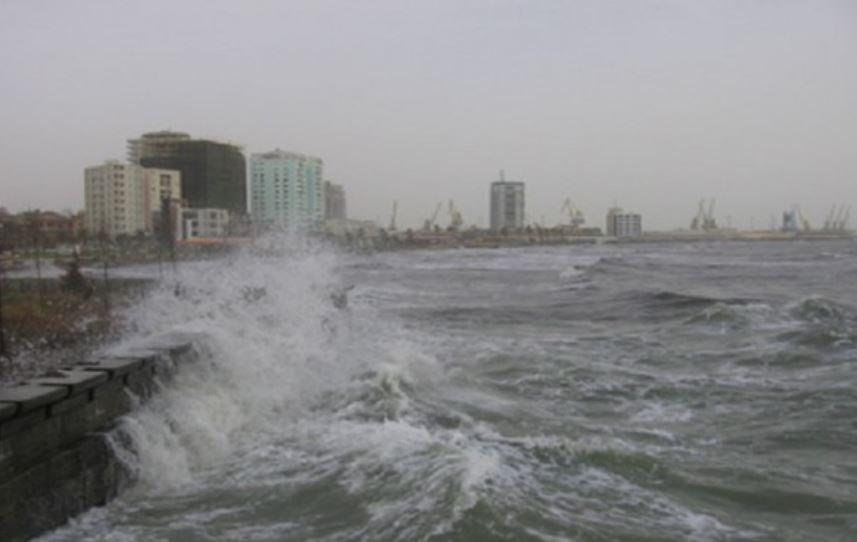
[654,105]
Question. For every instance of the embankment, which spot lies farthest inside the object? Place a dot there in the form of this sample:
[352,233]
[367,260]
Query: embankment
[55,458]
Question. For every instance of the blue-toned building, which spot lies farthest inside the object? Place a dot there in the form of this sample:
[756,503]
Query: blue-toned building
[287,190]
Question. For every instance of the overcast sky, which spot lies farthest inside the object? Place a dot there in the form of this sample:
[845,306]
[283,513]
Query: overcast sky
[651,103]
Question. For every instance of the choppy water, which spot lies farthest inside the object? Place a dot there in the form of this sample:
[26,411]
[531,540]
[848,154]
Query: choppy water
[652,392]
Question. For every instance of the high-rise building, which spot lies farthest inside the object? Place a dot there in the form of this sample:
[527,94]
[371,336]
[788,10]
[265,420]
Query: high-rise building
[507,204]
[121,198]
[287,189]
[334,201]
[213,173]
[622,224]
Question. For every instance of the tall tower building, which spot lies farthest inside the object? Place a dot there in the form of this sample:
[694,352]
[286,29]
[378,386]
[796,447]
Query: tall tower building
[213,173]
[287,189]
[507,204]
[622,224]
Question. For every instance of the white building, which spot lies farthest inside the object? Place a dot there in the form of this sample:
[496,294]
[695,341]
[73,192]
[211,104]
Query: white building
[120,198]
[507,204]
[287,190]
[203,223]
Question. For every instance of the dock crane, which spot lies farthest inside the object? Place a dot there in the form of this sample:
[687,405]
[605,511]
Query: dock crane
[842,223]
[710,223]
[393,215]
[803,221]
[698,220]
[429,222]
[575,215]
[794,221]
[455,220]
[704,219]
[828,222]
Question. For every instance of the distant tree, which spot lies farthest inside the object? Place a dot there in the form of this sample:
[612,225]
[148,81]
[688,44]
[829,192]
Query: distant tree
[74,282]
[36,235]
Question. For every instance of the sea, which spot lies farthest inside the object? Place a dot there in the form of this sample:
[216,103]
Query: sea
[639,392]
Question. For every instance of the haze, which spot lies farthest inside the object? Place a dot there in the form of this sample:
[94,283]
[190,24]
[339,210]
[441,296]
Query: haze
[653,104]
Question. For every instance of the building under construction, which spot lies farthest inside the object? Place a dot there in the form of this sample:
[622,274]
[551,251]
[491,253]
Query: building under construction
[213,173]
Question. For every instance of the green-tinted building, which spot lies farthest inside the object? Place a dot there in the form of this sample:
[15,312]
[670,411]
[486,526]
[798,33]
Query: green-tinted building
[213,173]
[287,190]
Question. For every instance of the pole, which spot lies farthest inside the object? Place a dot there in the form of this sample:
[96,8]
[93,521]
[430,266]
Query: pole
[2,336]
[38,246]
[104,257]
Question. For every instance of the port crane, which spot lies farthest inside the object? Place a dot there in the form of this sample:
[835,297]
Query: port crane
[828,222]
[842,223]
[794,221]
[837,219]
[704,219]
[429,222]
[803,221]
[575,215]
[455,220]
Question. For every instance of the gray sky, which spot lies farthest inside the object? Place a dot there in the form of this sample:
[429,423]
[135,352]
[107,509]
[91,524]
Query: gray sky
[651,103]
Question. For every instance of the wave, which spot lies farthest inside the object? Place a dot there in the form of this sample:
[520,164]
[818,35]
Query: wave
[822,323]
[667,300]
[821,310]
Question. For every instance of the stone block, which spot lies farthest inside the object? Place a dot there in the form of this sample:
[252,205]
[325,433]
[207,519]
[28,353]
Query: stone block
[36,441]
[133,352]
[69,403]
[22,422]
[30,397]
[115,366]
[20,436]
[76,380]
[7,410]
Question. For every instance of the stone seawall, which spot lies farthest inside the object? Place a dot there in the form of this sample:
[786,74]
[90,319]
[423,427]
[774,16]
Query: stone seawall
[55,460]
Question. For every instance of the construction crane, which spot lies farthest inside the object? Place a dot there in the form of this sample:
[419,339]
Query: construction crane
[575,215]
[455,220]
[393,215]
[429,222]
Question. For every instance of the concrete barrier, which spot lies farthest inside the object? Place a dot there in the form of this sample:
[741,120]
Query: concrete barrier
[55,461]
